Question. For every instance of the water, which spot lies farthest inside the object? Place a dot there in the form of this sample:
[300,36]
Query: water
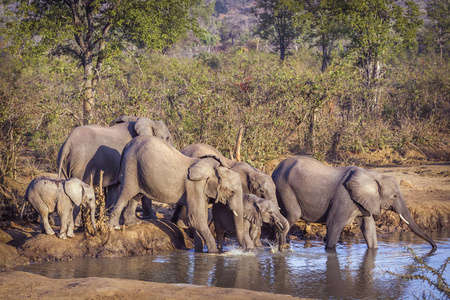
[306,270]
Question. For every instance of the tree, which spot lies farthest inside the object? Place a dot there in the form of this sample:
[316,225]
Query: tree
[220,7]
[91,30]
[376,29]
[280,22]
[326,27]
[438,12]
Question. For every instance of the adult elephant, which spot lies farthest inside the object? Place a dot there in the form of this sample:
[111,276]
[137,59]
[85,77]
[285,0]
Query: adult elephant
[314,192]
[253,180]
[153,168]
[92,148]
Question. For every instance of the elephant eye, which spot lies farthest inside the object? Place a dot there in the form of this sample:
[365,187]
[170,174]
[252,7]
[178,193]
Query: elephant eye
[395,196]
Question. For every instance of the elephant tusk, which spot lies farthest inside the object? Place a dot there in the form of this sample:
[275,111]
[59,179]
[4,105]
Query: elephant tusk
[235,213]
[280,225]
[401,217]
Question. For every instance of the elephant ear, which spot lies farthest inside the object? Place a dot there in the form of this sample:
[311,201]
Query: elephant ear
[252,210]
[123,119]
[365,190]
[145,126]
[73,189]
[204,169]
[221,161]
[225,191]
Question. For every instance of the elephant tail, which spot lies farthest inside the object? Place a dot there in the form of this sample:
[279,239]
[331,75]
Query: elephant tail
[62,166]
[25,199]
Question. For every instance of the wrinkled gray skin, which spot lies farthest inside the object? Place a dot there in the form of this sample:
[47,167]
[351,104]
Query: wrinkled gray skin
[46,194]
[256,212]
[314,192]
[153,168]
[89,149]
[253,180]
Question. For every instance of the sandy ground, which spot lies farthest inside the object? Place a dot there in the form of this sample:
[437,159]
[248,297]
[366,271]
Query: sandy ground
[426,189]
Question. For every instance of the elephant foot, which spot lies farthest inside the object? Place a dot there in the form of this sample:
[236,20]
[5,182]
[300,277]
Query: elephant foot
[50,232]
[132,221]
[62,236]
[70,235]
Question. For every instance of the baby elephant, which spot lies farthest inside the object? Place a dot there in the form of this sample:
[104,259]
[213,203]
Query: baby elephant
[46,194]
[256,212]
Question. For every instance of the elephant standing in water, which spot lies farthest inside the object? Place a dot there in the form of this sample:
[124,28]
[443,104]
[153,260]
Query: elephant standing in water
[153,168]
[48,194]
[256,212]
[314,192]
[253,180]
[92,148]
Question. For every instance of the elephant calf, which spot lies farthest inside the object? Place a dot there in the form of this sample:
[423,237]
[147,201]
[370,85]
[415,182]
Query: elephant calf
[256,212]
[46,194]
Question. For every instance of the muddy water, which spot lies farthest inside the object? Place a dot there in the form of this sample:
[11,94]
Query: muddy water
[306,270]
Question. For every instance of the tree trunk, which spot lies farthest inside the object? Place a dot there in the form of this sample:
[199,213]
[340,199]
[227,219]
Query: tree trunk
[282,53]
[88,101]
[310,137]
[324,58]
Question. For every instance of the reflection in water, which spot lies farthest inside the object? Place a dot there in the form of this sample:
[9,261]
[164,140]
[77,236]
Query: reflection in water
[306,270]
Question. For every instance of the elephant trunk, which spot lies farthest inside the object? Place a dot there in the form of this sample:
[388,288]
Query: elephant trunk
[283,229]
[236,206]
[405,215]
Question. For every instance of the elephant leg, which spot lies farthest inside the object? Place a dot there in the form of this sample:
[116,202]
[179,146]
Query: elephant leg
[255,234]
[202,229]
[219,236]
[198,242]
[123,200]
[129,215]
[45,223]
[70,225]
[64,223]
[147,208]
[368,228]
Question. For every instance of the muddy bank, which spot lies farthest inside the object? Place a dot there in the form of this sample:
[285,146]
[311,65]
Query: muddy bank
[19,285]
[147,237]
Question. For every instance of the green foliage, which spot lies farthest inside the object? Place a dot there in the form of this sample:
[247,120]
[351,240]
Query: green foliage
[436,34]
[94,31]
[280,22]
[220,7]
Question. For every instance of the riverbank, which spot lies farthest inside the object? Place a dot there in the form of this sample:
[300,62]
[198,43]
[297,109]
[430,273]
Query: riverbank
[20,285]
[426,189]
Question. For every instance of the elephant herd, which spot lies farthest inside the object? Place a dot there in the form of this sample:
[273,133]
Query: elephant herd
[140,161]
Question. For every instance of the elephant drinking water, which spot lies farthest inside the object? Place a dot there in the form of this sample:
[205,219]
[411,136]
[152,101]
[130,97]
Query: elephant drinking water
[314,192]
[153,168]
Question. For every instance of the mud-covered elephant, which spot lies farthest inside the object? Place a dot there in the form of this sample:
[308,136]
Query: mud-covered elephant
[48,194]
[92,148]
[153,168]
[256,212]
[314,192]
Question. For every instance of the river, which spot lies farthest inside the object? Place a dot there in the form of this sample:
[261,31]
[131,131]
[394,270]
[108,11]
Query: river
[305,270]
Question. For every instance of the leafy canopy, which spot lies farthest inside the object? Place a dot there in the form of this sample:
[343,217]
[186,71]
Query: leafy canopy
[78,27]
